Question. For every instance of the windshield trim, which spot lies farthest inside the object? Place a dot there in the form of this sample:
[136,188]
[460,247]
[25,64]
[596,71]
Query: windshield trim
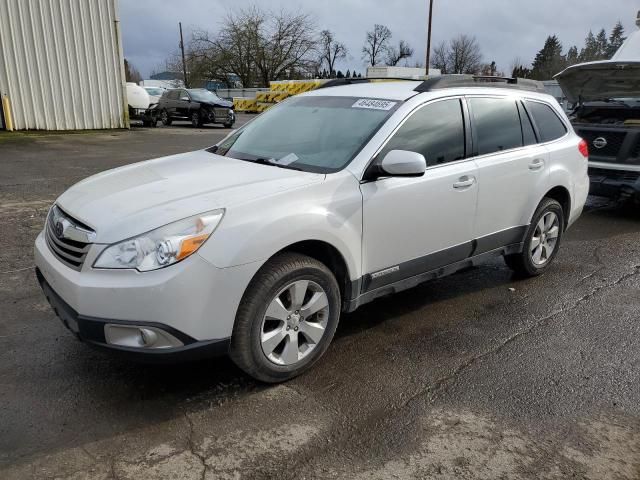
[314,168]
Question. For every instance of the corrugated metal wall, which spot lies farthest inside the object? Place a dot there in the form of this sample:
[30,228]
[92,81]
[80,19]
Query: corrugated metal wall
[61,64]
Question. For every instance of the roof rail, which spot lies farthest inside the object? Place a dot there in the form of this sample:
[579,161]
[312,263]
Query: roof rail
[338,82]
[455,81]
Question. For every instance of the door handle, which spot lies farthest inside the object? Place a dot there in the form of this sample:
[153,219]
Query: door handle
[536,164]
[464,182]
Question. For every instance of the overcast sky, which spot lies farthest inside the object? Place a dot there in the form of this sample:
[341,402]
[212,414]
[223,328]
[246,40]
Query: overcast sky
[505,29]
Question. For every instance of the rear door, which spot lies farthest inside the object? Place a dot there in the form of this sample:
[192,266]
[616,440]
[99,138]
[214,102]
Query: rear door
[513,170]
[414,225]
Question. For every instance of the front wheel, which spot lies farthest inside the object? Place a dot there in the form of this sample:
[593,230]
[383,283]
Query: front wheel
[542,240]
[286,319]
[165,118]
[196,120]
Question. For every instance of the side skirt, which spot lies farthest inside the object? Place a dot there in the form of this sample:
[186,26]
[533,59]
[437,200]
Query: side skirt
[415,280]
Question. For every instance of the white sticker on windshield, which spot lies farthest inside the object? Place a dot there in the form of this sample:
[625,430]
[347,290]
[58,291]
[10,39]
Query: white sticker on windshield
[374,104]
[287,159]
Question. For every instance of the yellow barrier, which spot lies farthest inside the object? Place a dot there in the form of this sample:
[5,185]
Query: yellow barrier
[241,104]
[6,109]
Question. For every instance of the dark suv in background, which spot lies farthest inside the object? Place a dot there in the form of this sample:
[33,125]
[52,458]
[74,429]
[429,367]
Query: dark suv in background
[198,105]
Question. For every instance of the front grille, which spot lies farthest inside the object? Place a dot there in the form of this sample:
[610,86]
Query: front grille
[615,175]
[614,142]
[221,112]
[70,252]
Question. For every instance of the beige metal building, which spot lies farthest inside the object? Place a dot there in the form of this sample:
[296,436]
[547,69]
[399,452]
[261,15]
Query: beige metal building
[61,65]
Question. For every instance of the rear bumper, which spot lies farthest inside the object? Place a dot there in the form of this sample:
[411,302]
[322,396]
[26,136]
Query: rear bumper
[92,330]
[618,184]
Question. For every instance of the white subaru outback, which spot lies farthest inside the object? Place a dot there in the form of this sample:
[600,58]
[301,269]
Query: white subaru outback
[331,199]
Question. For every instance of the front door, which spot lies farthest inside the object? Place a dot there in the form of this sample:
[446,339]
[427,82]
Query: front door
[415,225]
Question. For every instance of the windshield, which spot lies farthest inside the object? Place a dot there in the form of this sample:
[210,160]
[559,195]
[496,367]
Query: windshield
[154,91]
[315,134]
[204,96]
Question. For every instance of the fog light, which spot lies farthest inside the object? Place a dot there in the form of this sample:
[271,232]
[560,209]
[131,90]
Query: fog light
[142,337]
[148,337]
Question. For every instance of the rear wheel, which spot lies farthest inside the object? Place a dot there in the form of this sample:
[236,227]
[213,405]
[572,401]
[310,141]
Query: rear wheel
[542,240]
[165,118]
[286,319]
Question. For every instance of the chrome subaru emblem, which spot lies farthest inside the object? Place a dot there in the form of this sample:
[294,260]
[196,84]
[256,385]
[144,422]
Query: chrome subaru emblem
[59,229]
[600,142]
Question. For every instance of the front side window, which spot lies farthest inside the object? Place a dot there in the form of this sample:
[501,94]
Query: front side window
[497,124]
[311,133]
[435,130]
[549,125]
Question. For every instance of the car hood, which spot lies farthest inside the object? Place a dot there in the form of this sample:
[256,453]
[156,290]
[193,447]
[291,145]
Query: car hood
[134,199]
[603,80]
[220,103]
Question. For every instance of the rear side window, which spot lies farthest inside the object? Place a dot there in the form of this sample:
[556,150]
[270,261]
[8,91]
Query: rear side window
[435,130]
[549,125]
[497,124]
[528,134]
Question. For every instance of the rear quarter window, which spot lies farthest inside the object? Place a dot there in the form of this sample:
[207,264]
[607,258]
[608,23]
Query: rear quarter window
[549,124]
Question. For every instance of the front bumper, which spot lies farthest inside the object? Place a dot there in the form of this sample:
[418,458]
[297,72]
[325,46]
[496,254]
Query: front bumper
[92,331]
[618,184]
[193,297]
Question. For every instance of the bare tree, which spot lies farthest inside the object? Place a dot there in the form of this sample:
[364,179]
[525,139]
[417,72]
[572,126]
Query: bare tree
[131,73]
[376,44]
[460,55]
[439,57]
[330,51]
[464,54]
[255,45]
[395,55]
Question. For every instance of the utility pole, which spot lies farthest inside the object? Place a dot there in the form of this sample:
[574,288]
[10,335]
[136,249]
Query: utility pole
[429,37]
[184,63]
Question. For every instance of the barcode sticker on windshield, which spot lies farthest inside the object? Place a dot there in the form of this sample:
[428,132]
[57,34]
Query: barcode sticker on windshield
[374,104]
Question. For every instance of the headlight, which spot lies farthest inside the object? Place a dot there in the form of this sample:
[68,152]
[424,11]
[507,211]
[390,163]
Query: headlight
[163,246]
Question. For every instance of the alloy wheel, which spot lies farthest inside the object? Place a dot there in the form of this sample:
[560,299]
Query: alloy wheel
[545,238]
[295,322]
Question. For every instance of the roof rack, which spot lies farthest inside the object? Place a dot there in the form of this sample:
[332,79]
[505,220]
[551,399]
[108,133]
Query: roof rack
[339,82]
[455,81]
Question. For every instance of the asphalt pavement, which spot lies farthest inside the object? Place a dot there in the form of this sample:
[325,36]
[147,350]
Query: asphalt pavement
[477,375]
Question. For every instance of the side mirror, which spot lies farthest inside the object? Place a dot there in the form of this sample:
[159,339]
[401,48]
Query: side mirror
[399,163]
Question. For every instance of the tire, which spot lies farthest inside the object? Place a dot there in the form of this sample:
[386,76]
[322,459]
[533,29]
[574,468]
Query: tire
[165,118]
[227,125]
[196,120]
[273,289]
[548,220]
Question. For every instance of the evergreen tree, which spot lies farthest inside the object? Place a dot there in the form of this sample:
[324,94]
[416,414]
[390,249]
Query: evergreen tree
[521,72]
[573,56]
[603,45]
[549,60]
[590,51]
[348,74]
[340,74]
[616,39]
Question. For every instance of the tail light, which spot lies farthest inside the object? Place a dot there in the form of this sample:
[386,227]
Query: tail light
[583,146]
